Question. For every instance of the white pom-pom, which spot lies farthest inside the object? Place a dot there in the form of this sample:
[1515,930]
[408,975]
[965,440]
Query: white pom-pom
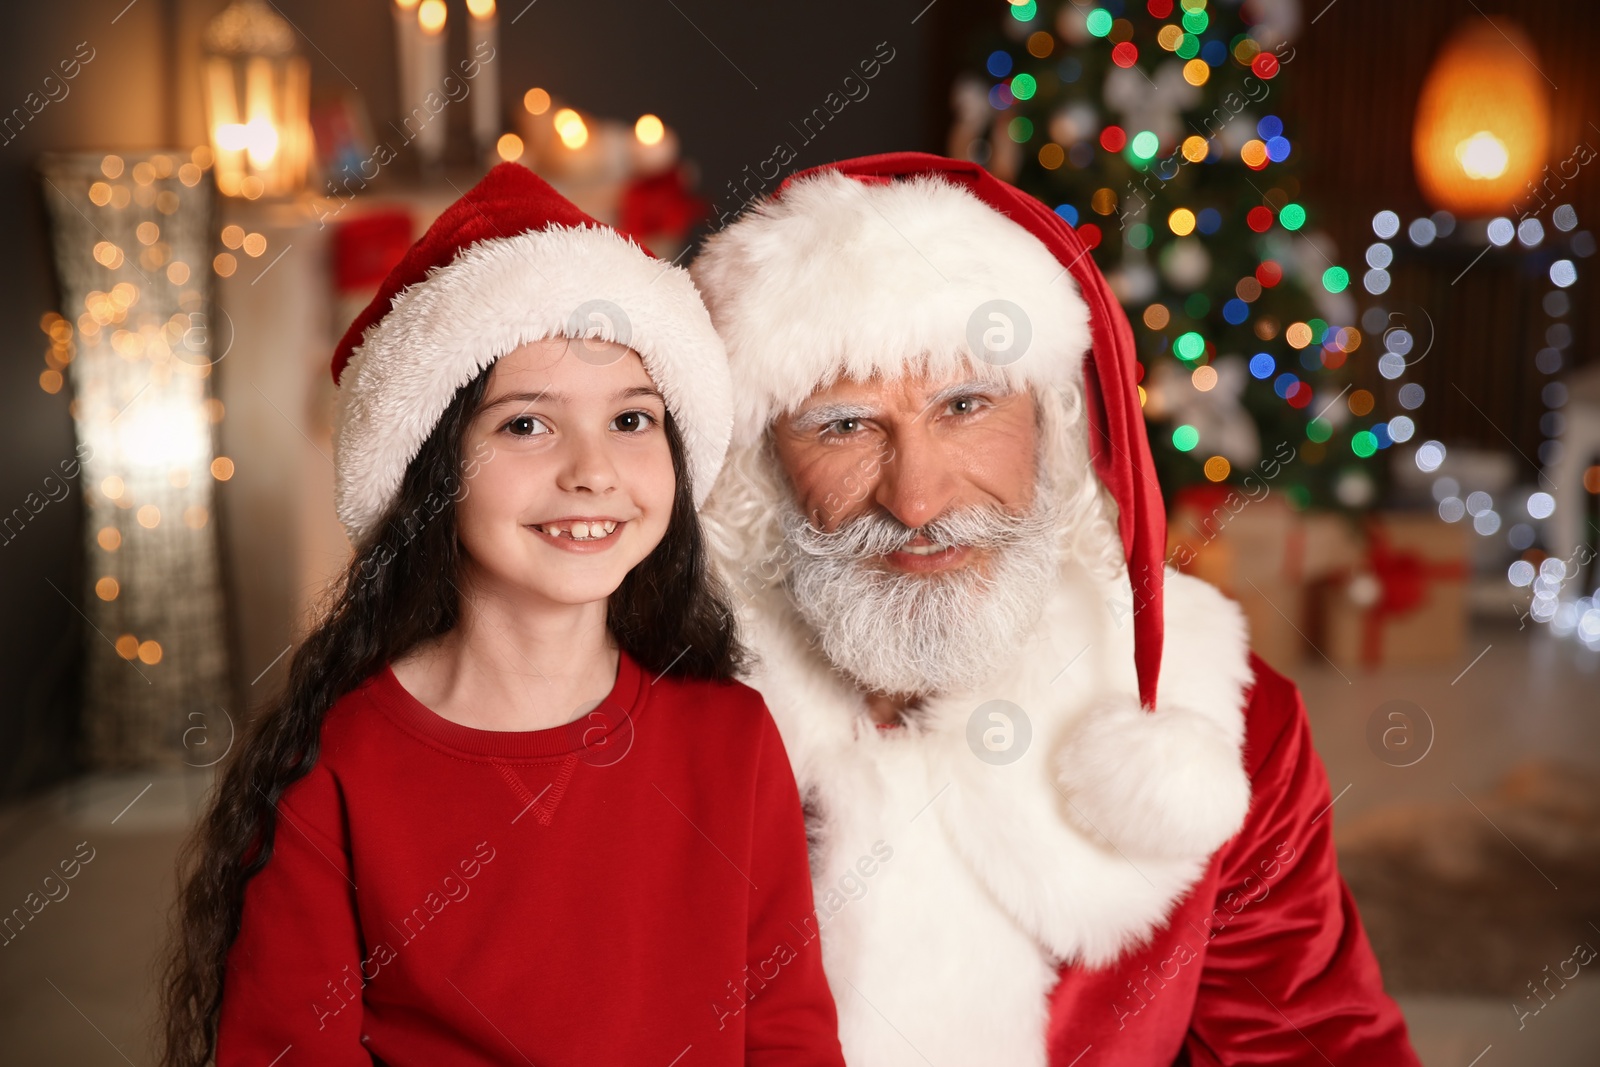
[1166,784]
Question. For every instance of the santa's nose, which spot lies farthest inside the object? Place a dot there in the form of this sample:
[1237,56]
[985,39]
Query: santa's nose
[917,485]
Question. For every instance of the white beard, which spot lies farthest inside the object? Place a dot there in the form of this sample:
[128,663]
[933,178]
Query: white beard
[922,634]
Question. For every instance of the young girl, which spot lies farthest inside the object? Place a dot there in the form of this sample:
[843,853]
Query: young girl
[512,808]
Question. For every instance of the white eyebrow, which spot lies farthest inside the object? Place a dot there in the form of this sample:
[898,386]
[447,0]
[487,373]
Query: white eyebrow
[991,386]
[823,414]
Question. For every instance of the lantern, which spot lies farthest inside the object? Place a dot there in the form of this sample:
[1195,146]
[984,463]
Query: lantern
[1483,122]
[257,92]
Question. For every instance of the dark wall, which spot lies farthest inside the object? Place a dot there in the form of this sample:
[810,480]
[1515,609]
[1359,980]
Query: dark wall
[1353,88]
[728,77]
[115,100]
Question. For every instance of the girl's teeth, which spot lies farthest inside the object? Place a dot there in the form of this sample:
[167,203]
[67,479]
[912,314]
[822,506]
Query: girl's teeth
[583,531]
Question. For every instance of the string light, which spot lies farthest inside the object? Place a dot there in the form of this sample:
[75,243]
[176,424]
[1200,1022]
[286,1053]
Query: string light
[1299,350]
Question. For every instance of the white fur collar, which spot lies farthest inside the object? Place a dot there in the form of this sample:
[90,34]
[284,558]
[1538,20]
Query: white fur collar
[997,872]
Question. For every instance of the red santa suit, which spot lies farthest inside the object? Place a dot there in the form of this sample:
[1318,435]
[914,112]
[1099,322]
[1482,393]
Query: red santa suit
[1153,877]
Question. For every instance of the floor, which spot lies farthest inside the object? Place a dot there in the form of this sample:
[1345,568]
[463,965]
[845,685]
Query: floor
[1513,697]
[77,983]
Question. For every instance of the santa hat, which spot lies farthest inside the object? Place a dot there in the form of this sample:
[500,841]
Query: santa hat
[511,262]
[811,286]
[877,265]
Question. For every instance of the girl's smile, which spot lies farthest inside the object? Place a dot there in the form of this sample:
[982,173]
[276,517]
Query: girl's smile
[586,534]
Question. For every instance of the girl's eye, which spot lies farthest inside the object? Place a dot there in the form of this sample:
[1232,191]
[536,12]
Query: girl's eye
[633,421]
[525,426]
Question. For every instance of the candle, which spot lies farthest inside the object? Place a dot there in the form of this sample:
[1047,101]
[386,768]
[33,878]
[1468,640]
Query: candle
[584,150]
[533,123]
[654,148]
[406,35]
[430,136]
[482,31]
[575,153]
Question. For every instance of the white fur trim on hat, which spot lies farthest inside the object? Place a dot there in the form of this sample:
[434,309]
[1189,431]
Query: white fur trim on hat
[501,293]
[838,278]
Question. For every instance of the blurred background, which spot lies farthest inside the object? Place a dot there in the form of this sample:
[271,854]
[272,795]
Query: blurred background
[1355,240]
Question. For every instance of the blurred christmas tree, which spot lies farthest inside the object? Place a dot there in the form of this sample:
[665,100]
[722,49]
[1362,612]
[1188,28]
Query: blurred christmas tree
[1151,128]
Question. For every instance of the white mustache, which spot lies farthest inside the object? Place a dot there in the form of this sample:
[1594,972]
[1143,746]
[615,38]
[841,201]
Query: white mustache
[877,533]
[907,633]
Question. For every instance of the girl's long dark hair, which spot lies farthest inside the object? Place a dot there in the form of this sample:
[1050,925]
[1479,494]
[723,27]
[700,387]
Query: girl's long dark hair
[669,614]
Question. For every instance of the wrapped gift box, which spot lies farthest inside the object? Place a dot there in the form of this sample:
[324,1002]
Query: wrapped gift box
[1262,553]
[1404,602]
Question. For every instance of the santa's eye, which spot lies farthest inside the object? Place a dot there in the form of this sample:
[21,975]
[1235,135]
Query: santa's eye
[843,427]
[966,405]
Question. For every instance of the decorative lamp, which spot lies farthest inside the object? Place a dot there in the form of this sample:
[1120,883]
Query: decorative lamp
[1483,121]
[258,101]
[135,343]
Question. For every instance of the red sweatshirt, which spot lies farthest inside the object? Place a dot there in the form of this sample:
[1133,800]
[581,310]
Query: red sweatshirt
[631,888]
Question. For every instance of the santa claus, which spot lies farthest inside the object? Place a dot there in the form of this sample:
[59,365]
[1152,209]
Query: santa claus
[1059,812]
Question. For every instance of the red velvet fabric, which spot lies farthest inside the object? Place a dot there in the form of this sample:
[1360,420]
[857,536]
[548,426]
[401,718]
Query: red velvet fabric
[1265,961]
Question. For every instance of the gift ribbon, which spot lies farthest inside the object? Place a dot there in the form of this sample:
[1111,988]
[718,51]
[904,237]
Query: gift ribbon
[1403,576]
